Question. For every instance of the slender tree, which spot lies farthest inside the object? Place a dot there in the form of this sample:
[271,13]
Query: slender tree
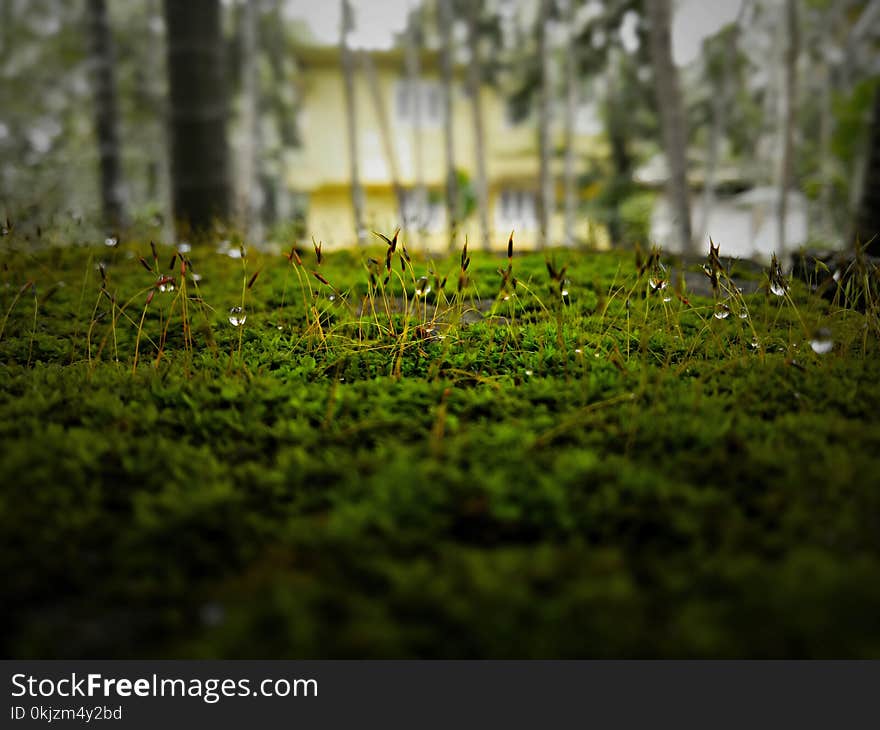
[546,199]
[789,116]
[571,88]
[249,195]
[198,111]
[381,108]
[414,82]
[721,102]
[671,115]
[867,228]
[357,192]
[446,57]
[474,79]
[106,112]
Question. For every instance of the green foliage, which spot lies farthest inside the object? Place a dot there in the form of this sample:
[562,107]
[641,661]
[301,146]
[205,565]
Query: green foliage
[605,475]
[635,216]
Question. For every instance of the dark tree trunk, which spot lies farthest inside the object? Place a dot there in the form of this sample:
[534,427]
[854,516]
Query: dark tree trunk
[445,18]
[546,202]
[790,113]
[868,215]
[198,110]
[671,116]
[357,192]
[106,112]
[474,82]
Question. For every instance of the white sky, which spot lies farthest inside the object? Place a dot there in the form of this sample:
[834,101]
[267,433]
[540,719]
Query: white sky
[377,20]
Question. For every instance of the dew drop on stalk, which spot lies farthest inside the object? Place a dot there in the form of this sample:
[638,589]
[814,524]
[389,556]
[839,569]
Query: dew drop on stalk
[111,241]
[778,288]
[822,343]
[332,297]
[657,284]
[237,317]
[529,372]
[722,311]
[166,284]
[423,288]
[184,247]
[743,314]
[667,299]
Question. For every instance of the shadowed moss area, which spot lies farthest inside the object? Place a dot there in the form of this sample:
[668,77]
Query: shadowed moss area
[364,472]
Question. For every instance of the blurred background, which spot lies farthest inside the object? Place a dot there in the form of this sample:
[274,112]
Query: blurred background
[574,122]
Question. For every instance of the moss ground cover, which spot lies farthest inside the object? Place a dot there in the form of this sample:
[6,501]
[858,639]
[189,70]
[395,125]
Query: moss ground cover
[210,455]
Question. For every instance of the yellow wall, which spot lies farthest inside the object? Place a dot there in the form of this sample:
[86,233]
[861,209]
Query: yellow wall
[320,167]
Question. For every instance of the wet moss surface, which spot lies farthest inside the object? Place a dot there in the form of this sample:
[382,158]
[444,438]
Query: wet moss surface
[359,472]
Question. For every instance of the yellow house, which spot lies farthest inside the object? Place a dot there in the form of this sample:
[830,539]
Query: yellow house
[415,151]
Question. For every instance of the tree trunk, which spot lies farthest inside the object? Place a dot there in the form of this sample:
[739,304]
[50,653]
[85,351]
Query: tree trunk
[546,202]
[570,112]
[790,109]
[671,116]
[618,138]
[106,113]
[380,106]
[445,17]
[251,142]
[198,111]
[867,228]
[357,192]
[418,207]
[720,104]
[474,83]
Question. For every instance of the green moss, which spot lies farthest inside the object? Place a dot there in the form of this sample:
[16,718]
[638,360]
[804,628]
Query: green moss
[611,476]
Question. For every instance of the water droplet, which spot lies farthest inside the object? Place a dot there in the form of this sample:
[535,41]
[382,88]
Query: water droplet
[667,299]
[280,327]
[506,297]
[722,311]
[423,288]
[529,372]
[184,247]
[822,343]
[332,297]
[657,284]
[565,292]
[836,276]
[744,314]
[166,284]
[237,317]
[778,288]
[579,351]
[754,344]
[196,277]
[111,241]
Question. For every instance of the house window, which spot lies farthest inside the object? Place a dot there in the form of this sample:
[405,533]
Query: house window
[516,209]
[428,95]
[423,211]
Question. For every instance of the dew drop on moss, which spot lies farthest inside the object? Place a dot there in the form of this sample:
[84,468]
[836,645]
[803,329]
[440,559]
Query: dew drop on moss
[822,343]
